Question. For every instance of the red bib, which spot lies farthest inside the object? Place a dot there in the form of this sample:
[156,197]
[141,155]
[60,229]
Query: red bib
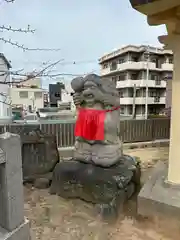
[90,123]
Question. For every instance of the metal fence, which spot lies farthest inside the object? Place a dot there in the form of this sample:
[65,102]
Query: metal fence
[131,130]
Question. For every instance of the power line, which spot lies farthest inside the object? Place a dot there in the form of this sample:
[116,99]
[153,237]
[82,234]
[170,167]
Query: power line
[62,63]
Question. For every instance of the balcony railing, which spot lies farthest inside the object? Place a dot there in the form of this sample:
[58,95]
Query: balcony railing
[140,83]
[142,100]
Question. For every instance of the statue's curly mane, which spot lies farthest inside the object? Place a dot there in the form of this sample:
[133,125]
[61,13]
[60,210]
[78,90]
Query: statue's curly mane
[104,84]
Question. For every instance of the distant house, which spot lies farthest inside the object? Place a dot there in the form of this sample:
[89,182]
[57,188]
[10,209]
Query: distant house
[55,93]
[27,93]
[5,102]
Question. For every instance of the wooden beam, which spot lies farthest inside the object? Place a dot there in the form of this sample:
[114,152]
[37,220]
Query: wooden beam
[173,28]
[157,6]
[163,17]
[169,40]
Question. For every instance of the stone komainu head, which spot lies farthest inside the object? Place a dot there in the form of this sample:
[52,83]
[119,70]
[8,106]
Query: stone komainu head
[99,89]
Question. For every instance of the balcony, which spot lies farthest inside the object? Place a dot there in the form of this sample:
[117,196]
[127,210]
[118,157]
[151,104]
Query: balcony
[167,67]
[135,66]
[140,83]
[142,100]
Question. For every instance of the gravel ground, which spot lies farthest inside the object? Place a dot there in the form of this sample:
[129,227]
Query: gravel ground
[53,218]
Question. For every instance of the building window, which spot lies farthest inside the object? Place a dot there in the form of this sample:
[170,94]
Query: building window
[121,94]
[121,60]
[134,59]
[114,79]
[38,95]
[23,94]
[134,76]
[113,66]
[105,65]
[154,77]
[158,82]
[154,93]
[122,110]
[141,75]
[57,94]
[122,77]
[130,110]
[171,60]
[139,93]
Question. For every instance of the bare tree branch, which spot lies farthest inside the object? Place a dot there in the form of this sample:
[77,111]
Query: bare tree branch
[28,76]
[26,48]
[16,44]
[9,1]
[28,30]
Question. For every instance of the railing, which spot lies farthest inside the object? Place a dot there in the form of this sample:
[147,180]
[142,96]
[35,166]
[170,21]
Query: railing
[131,130]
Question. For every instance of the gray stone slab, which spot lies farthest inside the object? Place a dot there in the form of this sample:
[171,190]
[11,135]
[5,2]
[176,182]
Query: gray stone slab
[11,188]
[20,233]
[12,223]
[156,197]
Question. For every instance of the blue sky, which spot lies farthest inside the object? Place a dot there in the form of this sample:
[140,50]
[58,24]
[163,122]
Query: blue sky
[83,30]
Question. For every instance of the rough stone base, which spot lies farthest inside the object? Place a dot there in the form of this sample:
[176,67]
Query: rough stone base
[20,233]
[107,188]
[157,197]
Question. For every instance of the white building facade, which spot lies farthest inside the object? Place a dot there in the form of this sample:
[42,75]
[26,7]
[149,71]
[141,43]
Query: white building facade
[140,74]
[27,94]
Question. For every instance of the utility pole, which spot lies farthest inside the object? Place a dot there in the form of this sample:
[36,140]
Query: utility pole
[134,102]
[147,78]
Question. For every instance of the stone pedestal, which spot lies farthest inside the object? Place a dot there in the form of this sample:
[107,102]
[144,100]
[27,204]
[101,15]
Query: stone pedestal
[13,226]
[108,188]
[158,197]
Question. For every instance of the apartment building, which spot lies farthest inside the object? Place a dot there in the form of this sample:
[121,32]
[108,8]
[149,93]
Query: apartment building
[140,75]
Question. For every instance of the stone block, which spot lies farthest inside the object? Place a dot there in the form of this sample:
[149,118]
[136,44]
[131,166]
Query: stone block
[39,154]
[158,197]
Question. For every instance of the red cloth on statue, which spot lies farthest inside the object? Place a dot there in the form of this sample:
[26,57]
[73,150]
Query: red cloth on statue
[90,123]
